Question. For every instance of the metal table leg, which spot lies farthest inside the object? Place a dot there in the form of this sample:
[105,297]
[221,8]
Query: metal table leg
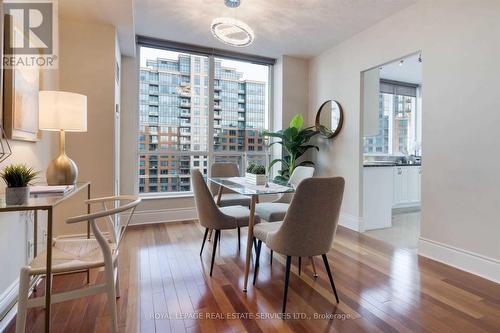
[48,276]
[249,240]
[88,228]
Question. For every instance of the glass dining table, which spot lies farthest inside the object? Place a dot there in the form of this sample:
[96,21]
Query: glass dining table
[241,186]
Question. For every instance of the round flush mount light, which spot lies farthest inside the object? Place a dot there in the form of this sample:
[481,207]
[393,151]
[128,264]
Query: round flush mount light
[232,32]
[232,3]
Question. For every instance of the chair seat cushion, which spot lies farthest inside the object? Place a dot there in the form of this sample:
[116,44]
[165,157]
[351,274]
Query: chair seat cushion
[234,199]
[239,216]
[272,211]
[72,254]
[262,230]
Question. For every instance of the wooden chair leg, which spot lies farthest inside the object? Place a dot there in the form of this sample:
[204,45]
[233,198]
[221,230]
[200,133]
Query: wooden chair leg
[22,305]
[256,268]
[210,235]
[287,280]
[239,240]
[217,235]
[111,293]
[204,239]
[117,280]
[314,267]
[327,266]
[300,265]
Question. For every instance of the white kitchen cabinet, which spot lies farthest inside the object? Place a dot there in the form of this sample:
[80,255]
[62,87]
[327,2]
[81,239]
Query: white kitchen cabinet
[406,186]
[377,197]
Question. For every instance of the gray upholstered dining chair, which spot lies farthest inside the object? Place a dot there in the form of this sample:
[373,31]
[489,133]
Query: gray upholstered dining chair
[276,210]
[228,198]
[308,228]
[216,218]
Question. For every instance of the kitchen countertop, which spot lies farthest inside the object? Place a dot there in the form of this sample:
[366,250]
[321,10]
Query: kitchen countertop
[378,165]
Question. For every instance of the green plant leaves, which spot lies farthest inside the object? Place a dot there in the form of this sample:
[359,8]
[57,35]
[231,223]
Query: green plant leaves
[256,169]
[297,122]
[284,163]
[294,140]
[18,175]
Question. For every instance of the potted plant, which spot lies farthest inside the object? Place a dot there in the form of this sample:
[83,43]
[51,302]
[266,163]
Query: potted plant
[17,177]
[295,141]
[256,174]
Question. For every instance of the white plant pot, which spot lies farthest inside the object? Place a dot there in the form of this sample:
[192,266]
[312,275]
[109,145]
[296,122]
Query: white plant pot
[255,179]
[17,195]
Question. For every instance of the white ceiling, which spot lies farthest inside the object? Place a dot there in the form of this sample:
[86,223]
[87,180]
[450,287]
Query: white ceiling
[409,71]
[302,28]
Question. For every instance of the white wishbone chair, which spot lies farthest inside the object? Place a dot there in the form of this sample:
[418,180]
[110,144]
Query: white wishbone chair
[73,254]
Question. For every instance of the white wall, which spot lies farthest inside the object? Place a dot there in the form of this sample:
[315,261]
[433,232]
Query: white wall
[460,181]
[87,65]
[294,91]
[129,125]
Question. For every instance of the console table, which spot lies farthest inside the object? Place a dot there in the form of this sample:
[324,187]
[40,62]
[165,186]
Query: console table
[47,202]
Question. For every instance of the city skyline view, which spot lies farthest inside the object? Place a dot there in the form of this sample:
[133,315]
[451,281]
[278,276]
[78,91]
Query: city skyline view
[174,116]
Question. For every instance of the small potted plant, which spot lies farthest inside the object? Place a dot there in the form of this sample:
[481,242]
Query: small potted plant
[256,174]
[17,177]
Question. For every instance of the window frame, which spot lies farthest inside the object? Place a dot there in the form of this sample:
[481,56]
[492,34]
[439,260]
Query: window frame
[210,153]
[416,116]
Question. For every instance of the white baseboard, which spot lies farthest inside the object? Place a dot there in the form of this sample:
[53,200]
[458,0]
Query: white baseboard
[350,221]
[182,214]
[474,263]
[164,215]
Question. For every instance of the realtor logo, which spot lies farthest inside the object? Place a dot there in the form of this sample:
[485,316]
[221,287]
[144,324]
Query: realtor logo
[30,33]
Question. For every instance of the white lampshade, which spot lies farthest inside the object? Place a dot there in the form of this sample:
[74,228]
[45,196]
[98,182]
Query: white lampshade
[60,110]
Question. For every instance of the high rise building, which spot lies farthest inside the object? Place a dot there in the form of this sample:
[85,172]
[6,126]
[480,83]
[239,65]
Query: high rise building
[174,114]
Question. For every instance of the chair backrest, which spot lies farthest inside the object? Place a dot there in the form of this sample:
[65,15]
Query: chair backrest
[119,206]
[208,212]
[299,174]
[223,169]
[311,220]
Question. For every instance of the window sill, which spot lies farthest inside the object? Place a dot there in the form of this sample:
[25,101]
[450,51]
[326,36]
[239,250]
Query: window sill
[161,196]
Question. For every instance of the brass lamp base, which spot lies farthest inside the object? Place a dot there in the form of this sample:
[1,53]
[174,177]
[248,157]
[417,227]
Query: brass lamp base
[62,170]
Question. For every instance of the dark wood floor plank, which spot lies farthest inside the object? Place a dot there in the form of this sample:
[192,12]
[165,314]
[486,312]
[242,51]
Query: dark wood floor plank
[165,287]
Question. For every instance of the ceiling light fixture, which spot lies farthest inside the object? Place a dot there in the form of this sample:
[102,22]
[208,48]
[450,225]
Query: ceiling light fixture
[232,32]
[401,62]
[232,3]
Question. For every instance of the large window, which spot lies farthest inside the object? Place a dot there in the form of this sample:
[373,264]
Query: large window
[180,130]
[397,121]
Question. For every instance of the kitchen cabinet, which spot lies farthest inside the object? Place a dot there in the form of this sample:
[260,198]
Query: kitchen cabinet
[406,186]
[378,187]
[385,188]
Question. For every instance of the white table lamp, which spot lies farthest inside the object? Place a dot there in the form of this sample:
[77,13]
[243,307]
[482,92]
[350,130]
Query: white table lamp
[64,112]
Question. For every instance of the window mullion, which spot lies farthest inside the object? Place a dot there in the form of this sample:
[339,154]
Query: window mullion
[210,139]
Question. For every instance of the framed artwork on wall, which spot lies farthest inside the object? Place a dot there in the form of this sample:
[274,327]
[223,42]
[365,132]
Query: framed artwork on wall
[20,97]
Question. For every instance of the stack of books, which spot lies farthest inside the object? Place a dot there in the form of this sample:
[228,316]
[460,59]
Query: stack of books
[45,189]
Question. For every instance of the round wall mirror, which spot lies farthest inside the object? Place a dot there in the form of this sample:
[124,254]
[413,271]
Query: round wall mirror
[329,119]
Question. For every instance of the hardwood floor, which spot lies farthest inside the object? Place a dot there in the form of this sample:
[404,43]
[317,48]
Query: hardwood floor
[165,285]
